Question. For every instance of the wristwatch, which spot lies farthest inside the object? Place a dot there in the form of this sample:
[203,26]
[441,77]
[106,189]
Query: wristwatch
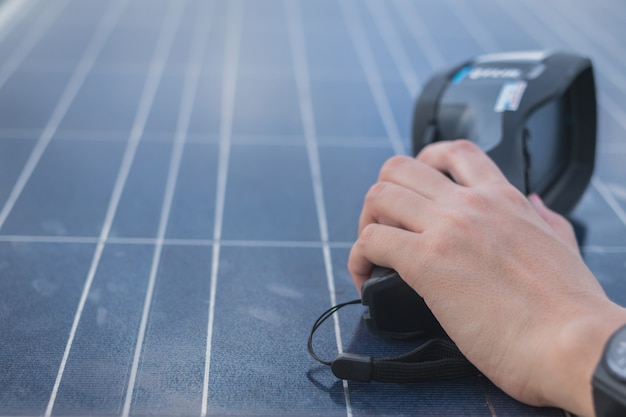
[609,378]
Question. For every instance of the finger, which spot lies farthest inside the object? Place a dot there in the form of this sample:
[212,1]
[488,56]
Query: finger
[558,223]
[381,245]
[415,175]
[393,205]
[463,160]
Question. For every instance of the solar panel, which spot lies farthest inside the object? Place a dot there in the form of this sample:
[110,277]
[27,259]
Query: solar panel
[180,184]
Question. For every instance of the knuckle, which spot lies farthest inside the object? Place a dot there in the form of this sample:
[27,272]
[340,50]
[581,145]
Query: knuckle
[377,192]
[491,195]
[510,193]
[456,219]
[447,153]
[391,165]
[464,146]
[367,235]
[437,248]
[459,149]
[472,198]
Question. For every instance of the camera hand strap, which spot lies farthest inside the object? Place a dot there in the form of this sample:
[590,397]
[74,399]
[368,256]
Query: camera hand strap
[436,359]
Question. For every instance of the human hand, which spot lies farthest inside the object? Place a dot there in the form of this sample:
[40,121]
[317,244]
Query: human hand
[501,272]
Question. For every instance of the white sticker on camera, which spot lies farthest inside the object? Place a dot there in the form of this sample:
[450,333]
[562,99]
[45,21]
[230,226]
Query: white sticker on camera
[510,96]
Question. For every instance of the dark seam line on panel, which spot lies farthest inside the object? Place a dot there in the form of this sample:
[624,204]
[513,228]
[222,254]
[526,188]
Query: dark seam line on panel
[483,385]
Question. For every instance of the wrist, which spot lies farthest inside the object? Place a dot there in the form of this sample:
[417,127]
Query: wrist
[575,356]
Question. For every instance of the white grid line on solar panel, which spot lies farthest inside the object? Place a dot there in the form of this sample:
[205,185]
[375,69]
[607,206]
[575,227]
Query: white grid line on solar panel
[614,110]
[149,90]
[71,90]
[606,193]
[174,241]
[567,35]
[28,42]
[11,14]
[466,16]
[421,35]
[299,54]
[612,148]
[230,243]
[130,69]
[611,145]
[363,49]
[398,53]
[60,240]
[229,86]
[52,65]
[540,34]
[605,102]
[323,141]
[167,34]
[603,249]
[594,31]
[610,7]
[19,133]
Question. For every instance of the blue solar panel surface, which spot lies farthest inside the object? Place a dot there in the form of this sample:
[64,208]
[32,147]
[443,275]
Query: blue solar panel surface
[180,184]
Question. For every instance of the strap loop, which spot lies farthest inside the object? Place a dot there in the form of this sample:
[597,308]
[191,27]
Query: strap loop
[434,360]
[353,367]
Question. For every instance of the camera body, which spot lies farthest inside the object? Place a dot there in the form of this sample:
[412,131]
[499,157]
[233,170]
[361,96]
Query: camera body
[534,114]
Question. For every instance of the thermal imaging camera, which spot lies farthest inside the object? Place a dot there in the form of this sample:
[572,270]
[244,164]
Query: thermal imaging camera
[534,114]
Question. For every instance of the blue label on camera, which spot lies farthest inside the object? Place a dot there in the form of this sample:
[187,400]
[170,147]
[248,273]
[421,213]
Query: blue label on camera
[460,76]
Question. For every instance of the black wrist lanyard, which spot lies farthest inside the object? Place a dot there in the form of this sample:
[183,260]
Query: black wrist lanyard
[434,360]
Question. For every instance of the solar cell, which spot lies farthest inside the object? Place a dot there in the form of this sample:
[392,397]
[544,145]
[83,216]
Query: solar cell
[180,184]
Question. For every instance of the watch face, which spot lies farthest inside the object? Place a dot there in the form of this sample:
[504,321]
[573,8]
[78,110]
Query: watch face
[616,354]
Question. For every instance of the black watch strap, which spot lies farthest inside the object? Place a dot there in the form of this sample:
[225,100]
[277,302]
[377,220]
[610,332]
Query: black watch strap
[609,378]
